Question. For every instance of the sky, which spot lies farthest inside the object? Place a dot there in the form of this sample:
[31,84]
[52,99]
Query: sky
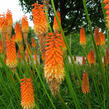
[16,10]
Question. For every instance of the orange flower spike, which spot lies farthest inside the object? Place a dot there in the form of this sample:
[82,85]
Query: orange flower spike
[55,23]
[102,38]
[97,36]
[82,37]
[25,26]
[9,17]
[3,23]
[39,19]
[11,55]
[91,58]
[53,69]
[85,83]
[27,94]
[18,32]
[106,1]
[1,20]
[0,46]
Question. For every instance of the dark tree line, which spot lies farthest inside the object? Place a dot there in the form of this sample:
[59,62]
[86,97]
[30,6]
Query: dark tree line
[72,13]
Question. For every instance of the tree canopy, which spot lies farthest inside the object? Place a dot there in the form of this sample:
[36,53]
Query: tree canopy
[72,12]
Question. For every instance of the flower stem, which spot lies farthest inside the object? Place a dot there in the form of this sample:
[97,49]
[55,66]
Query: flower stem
[88,101]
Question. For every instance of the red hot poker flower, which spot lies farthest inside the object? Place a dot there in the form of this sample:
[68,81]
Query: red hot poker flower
[3,23]
[82,37]
[39,19]
[27,94]
[85,83]
[11,55]
[102,37]
[91,58]
[9,18]
[18,37]
[97,36]
[25,26]
[54,69]
[10,22]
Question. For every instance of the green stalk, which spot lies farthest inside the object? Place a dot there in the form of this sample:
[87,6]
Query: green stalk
[92,75]
[17,76]
[97,53]
[71,90]
[69,51]
[62,101]
[88,102]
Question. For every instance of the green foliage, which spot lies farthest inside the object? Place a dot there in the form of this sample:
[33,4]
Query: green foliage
[76,48]
[70,96]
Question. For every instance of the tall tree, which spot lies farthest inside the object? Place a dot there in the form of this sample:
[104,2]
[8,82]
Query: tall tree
[72,13]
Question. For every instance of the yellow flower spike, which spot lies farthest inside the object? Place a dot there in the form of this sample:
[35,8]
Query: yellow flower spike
[54,68]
